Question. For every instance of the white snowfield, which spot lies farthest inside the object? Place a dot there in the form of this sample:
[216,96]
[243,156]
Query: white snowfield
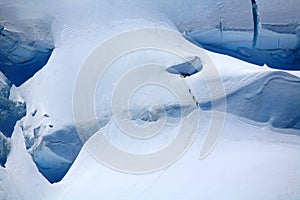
[257,155]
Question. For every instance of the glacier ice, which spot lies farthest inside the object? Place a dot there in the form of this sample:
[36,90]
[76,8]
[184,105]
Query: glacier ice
[55,153]
[21,56]
[10,113]
[4,149]
[267,40]
[260,32]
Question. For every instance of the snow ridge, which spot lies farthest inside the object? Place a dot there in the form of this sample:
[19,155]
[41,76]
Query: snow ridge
[273,98]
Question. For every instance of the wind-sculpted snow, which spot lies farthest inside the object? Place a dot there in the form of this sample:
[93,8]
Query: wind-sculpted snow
[273,98]
[257,31]
[248,30]
[56,152]
[21,56]
[156,112]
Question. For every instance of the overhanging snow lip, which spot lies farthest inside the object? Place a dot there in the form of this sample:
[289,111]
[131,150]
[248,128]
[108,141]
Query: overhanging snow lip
[192,66]
[21,56]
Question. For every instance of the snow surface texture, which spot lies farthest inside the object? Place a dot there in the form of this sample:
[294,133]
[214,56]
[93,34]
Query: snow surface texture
[256,100]
[45,144]
[248,163]
[272,98]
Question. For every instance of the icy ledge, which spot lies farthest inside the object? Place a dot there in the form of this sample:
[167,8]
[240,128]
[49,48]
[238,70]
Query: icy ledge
[22,55]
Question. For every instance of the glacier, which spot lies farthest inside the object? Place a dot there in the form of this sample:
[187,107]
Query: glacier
[43,45]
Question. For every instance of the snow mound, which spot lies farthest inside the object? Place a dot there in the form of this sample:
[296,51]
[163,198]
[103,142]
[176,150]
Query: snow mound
[156,112]
[273,98]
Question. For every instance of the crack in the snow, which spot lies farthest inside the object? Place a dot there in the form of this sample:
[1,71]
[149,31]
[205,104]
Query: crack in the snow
[256,22]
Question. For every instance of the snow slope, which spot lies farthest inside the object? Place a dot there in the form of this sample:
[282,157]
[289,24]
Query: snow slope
[272,98]
[247,163]
[255,162]
[45,143]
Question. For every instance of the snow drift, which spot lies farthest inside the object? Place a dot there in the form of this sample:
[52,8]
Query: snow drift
[248,30]
[272,98]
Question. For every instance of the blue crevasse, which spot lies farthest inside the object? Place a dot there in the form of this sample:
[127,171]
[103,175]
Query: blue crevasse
[10,113]
[56,152]
[21,56]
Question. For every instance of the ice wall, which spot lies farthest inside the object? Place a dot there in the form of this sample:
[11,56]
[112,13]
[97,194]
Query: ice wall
[10,113]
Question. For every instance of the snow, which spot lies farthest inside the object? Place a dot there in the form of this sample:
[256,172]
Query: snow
[250,161]
[19,170]
[259,102]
